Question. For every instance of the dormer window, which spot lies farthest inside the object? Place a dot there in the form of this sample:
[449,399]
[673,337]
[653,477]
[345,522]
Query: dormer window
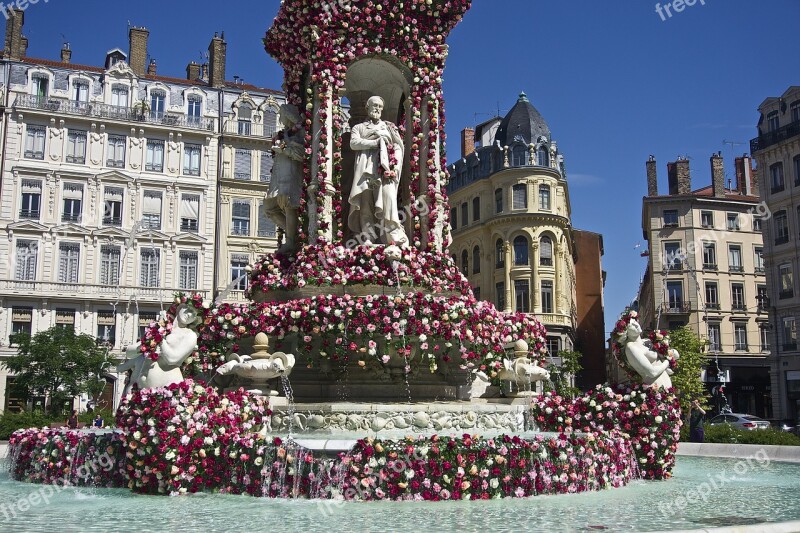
[195,109]
[80,91]
[519,155]
[158,101]
[245,119]
[40,86]
[119,95]
[543,156]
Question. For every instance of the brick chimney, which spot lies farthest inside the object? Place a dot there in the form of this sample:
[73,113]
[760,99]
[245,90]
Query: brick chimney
[217,52]
[151,68]
[14,46]
[718,175]
[66,53]
[467,141]
[137,52]
[652,177]
[680,181]
[192,71]
[746,178]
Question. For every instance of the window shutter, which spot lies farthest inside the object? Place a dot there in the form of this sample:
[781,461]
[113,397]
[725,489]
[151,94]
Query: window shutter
[242,165]
[32,186]
[190,206]
[69,257]
[152,203]
[27,252]
[73,191]
[266,166]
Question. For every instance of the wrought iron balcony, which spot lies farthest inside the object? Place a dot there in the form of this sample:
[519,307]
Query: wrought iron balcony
[676,308]
[774,137]
[91,291]
[95,110]
[29,214]
[713,306]
[248,129]
[70,217]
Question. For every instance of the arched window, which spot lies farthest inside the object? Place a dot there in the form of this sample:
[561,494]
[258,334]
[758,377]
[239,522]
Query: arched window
[520,250]
[519,155]
[476,260]
[543,156]
[499,254]
[498,200]
[546,251]
[544,197]
[465,263]
[270,122]
[245,119]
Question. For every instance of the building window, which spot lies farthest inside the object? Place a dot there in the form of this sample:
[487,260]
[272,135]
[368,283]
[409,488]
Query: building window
[796,161]
[476,291]
[789,333]
[520,250]
[245,116]
[453,217]
[758,259]
[116,151]
[519,193]
[519,155]
[762,298]
[547,296]
[476,209]
[553,346]
[239,271]
[242,164]
[150,274]
[735,258]
[106,327]
[476,260]
[241,217]
[145,320]
[194,111]
[157,102]
[498,200]
[712,295]
[31,199]
[151,210]
[21,320]
[25,266]
[40,85]
[763,336]
[270,122]
[76,147]
[543,156]
[72,195]
[499,253]
[265,171]
[464,214]
[544,197]
[757,223]
[776,177]
[786,277]
[119,97]
[110,257]
[65,318]
[740,336]
[773,121]
[670,217]
[187,275]
[733,222]
[266,226]
[500,295]
[464,262]
[546,251]
[709,256]
[34,142]
[673,258]
[675,296]
[113,196]
[737,297]
[155,156]
[794,110]
[80,91]
[522,296]
[69,254]
[707,219]
[190,212]
[714,337]
[191,159]
[781,225]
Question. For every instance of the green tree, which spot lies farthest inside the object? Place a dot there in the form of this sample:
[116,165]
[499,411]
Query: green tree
[693,359]
[560,374]
[59,364]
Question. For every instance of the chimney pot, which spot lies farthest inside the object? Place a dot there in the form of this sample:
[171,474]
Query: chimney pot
[192,71]
[217,52]
[16,45]
[718,175]
[652,176]
[137,53]
[66,53]
[151,68]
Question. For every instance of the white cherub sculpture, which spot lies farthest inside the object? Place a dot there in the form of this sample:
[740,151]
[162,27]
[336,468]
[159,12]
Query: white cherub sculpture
[639,354]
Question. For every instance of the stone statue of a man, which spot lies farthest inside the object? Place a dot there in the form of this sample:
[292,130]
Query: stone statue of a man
[378,146]
[283,196]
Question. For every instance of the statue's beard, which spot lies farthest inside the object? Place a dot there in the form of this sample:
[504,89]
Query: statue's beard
[375,115]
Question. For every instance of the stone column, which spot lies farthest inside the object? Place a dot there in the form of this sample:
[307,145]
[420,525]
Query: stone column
[534,277]
[507,278]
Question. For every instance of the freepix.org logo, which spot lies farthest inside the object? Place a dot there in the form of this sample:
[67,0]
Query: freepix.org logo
[676,6]
[22,5]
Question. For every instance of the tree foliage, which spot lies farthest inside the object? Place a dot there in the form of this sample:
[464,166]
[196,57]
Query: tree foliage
[560,374]
[686,379]
[58,363]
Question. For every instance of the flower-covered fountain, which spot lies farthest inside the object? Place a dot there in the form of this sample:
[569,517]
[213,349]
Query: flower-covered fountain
[388,349]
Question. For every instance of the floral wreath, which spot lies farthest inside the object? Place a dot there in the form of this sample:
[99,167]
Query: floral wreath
[659,340]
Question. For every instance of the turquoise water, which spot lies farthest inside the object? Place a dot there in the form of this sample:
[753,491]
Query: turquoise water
[740,493]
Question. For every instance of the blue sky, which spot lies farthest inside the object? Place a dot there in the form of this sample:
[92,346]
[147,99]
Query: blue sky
[614,81]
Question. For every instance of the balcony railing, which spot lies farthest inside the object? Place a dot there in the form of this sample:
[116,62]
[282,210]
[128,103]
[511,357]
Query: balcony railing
[789,346]
[676,308]
[29,213]
[774,137]
[91,291]
[128,114]
[69,217]
[783,295]
[240,231]
[781,239]
[709,266]
[736,268]
[248,129]
[712,306]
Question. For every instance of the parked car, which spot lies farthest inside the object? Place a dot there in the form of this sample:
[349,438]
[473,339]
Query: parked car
[740,421]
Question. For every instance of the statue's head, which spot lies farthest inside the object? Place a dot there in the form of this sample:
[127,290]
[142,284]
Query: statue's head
[375,107]
[633,330]
[186,315]
[289,114]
